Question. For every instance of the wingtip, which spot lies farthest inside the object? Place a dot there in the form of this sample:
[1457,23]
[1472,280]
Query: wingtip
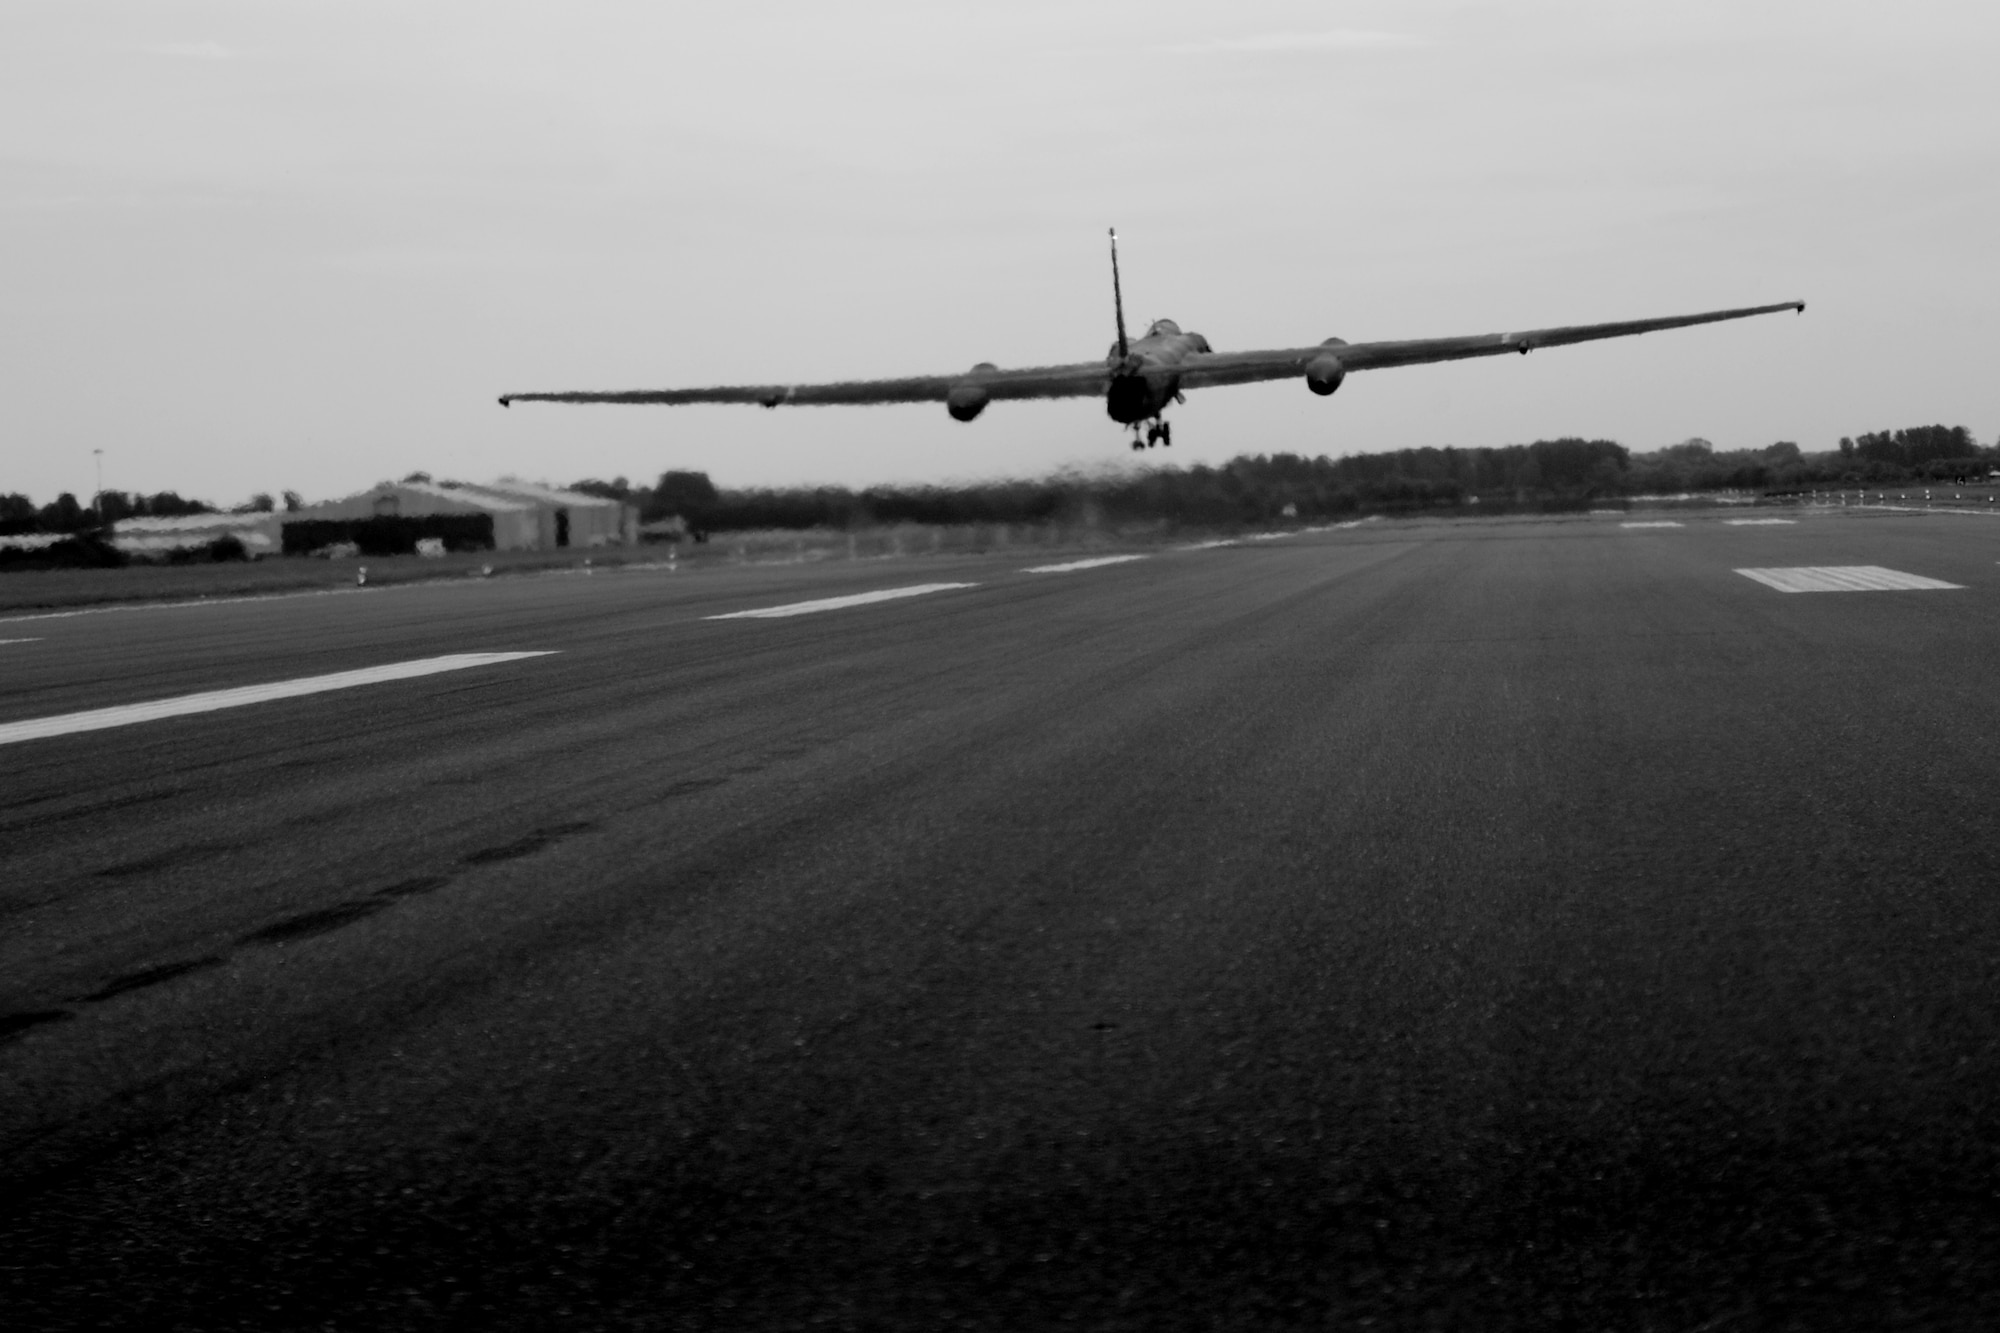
[506,401]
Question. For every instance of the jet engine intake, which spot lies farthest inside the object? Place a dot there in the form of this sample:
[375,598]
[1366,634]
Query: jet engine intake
[1324,373]
[966,401]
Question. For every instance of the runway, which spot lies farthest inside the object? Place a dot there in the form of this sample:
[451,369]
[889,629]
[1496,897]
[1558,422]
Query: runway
[1509,924]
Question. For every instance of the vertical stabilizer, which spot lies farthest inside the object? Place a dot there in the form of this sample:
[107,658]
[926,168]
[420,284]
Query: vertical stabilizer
[1118,297]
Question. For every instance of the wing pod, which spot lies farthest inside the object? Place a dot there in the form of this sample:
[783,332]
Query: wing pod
[1324,372]
[969,398]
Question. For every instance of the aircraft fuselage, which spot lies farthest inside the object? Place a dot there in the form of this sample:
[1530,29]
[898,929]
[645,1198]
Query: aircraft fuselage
[1147,377]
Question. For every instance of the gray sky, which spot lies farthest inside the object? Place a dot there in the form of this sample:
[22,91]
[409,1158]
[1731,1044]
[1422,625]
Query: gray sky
[300,243]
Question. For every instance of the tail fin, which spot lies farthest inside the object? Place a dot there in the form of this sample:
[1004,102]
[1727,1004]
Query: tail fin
[1118,297]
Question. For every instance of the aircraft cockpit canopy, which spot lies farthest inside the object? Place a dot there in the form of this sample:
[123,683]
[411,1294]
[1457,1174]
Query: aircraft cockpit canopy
[1162,326]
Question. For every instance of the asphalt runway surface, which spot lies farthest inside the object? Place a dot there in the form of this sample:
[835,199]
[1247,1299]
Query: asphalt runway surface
[1519,924]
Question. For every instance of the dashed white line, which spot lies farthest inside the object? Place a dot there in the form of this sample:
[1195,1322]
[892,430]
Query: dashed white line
[1843,578]
[4,641]
[1758,522]
[1655,523]
[1093,563]
[98,719]
[839,603]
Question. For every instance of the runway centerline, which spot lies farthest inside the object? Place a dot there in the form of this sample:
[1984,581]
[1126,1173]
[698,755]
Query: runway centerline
[839,603]
[1094,562]
[209,701]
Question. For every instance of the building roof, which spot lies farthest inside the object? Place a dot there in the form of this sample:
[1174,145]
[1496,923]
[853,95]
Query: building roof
[257,530]
[545,494]
[506,496]
[193,522]
[459,497]
[464,492]
[33,541]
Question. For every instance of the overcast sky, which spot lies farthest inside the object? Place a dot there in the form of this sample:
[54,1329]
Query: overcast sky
[305,243]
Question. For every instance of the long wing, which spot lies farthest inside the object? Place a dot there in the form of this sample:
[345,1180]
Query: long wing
[1090,379]
[1084,380]
[1215,368]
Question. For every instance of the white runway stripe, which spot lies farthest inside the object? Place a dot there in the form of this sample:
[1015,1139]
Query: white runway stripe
[1655,523]
[97,719]
[839,603]
[1843,578]
[20,640]
[1092,563]
[1758,522]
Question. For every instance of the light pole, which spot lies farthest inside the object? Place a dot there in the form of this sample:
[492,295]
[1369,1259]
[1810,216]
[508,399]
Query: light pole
[98,499]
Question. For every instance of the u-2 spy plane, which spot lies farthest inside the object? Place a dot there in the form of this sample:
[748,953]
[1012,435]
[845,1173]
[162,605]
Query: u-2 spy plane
[1141,376]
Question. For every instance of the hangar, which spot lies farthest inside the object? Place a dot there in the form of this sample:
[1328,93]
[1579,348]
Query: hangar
[571,518]
[507,515]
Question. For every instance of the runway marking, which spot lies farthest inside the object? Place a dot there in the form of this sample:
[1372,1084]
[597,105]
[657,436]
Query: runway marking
[1655,523]
[20,640]
[1843,578]
[1215,542]
[98,719]
[1092,563]
[1758,522]
[839,603]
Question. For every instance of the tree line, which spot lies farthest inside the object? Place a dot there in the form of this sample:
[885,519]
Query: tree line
[1249,489]
[1265,487]
[19,514]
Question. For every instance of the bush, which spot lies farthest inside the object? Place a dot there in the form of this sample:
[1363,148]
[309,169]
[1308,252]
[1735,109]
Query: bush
[84,551]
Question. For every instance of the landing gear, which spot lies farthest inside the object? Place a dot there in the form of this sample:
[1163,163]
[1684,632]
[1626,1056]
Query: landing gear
[1157,433]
